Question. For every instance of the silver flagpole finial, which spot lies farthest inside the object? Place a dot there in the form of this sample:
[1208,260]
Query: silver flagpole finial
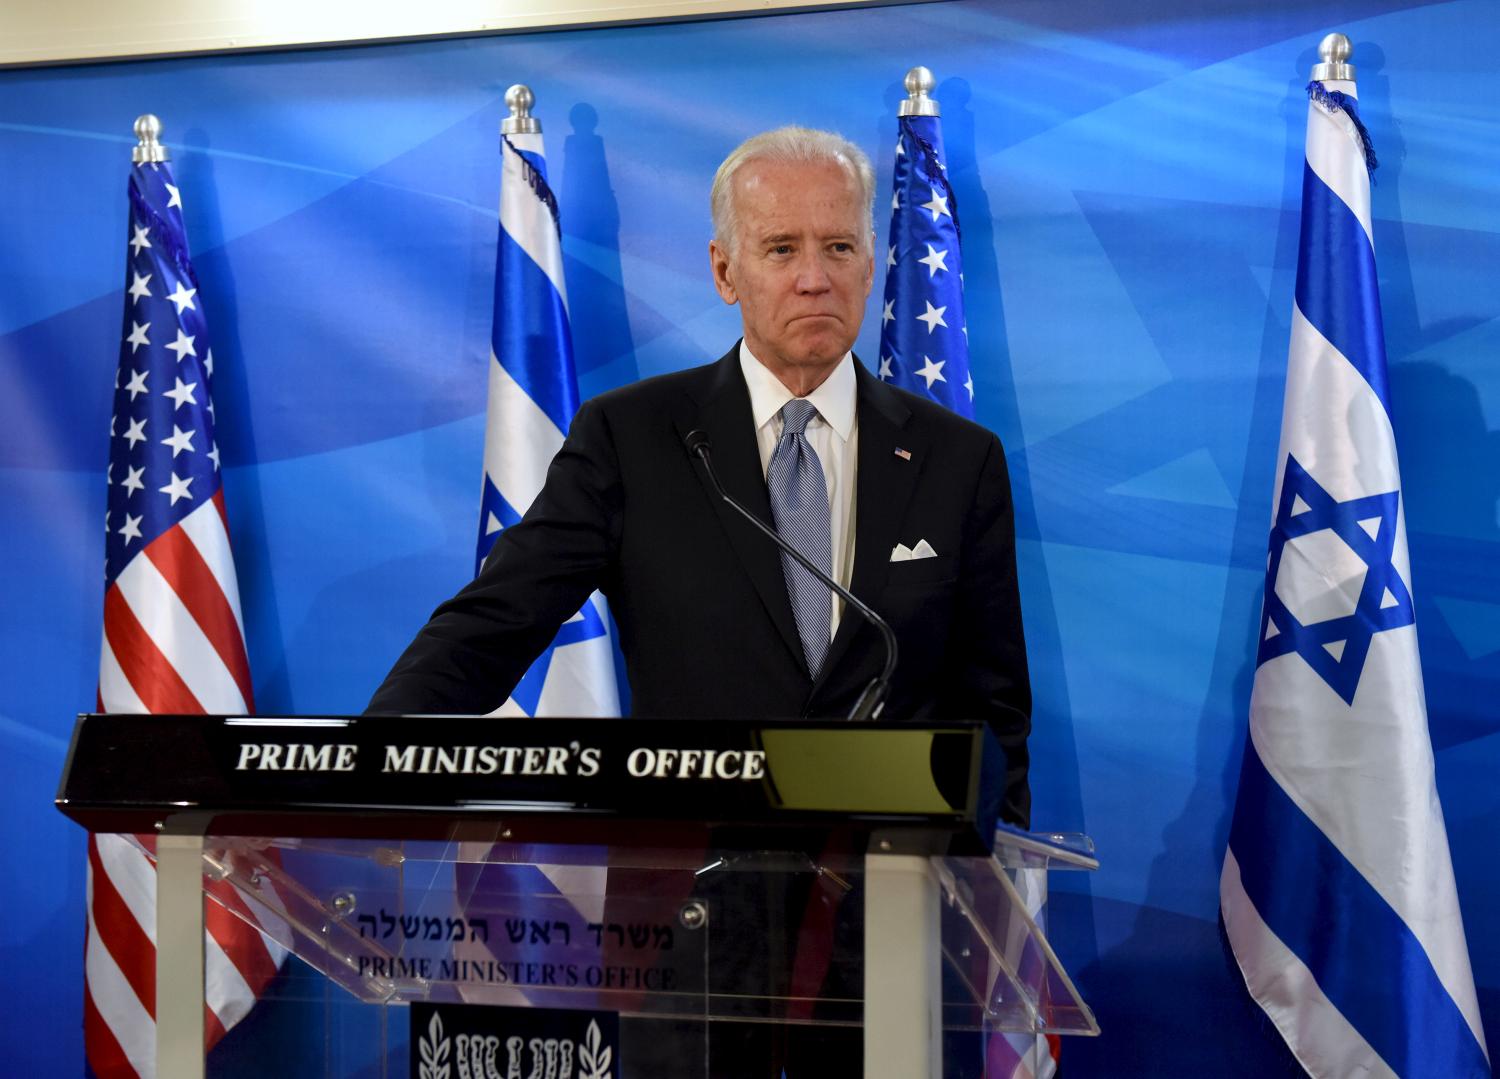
[148,150]
[1335,51]
[519,100]
[919,84]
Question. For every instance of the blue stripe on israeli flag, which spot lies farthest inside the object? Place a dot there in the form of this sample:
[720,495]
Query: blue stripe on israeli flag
[1344,306]
[533,393]
[1337,891]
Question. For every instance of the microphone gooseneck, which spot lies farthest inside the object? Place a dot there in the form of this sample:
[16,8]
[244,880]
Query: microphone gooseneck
[872,700]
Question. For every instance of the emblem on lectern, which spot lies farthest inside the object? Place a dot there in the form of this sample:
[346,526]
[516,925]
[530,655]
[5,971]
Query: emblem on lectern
[510,1043]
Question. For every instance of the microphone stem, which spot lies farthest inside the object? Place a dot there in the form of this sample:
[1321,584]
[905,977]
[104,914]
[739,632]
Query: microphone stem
[872,700]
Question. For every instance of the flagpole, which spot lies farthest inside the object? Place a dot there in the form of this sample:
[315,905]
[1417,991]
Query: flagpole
[179,862]
[919,101]
[519,99]
[1334,52]
[149,150]
[1337,894]
[533,394]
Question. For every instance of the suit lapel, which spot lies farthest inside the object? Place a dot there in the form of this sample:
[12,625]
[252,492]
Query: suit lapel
[883,491]
[724,415]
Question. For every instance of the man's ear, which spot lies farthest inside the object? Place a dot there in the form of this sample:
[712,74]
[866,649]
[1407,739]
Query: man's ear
[719,263]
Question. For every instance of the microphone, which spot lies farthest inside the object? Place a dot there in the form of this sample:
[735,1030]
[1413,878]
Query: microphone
[872,700]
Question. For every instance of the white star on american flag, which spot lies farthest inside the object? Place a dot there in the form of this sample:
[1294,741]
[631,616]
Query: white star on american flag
[177,488]
[182,393]
[180,440]
[137,336]
[183,298]
[132,481]
[938,207]
[932,372]
[183,346]
[137,384]
[937,259]
[933,316]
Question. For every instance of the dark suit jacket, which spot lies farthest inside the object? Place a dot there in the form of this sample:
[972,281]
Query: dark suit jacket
[699,597]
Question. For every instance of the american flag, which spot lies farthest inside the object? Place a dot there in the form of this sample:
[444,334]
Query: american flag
[924,348]
[173,638]
[924,340]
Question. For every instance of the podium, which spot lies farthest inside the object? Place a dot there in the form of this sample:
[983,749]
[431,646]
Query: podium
[581,898]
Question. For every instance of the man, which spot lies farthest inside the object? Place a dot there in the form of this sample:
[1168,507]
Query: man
[713,621]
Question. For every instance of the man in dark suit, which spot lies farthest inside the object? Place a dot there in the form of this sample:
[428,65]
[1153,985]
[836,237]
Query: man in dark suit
[713,622]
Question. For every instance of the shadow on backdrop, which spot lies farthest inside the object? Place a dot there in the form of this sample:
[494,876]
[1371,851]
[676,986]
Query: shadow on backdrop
[234,423]
[602,337]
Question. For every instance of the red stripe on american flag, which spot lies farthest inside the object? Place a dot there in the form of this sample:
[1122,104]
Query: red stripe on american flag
[154,679]
[213,1029]
[122,936]
[218,501]
[814,947]
[185,569]
[243,944]
[106,1058]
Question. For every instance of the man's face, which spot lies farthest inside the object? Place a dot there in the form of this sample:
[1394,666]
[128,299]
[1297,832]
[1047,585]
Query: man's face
[801,267]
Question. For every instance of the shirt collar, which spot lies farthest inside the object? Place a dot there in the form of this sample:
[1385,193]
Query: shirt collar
[834,399]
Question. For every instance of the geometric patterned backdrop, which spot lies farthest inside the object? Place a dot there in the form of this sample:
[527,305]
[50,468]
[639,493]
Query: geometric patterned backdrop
[1128,178]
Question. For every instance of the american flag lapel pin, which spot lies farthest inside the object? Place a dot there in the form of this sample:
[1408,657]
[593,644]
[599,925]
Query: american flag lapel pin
[905,455]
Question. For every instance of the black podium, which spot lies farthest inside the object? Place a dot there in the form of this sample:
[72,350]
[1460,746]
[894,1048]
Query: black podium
[582,898]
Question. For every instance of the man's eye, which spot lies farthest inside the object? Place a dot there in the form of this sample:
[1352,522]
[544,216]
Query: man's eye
[782,249]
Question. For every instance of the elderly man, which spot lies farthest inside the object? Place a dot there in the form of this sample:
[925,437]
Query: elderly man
[713,621]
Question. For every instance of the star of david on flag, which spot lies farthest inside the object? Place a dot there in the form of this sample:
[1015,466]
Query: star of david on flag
[1337,892]
[533,393]
[1373,594]
[924,340]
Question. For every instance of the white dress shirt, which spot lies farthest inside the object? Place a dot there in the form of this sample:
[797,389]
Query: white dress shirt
[834,435]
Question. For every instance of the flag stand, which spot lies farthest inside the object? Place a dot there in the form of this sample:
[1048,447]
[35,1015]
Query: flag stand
[179,956]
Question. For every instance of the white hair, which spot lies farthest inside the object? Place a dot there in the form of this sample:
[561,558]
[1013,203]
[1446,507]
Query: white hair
[786,145]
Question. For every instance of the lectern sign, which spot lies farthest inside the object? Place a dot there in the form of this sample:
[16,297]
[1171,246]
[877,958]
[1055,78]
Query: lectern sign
[664,762]
[413,776]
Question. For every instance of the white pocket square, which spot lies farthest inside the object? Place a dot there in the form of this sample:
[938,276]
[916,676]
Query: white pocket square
[902,553]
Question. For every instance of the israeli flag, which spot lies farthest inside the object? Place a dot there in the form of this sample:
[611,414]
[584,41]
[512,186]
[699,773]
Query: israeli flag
[1337,891]
[533,394]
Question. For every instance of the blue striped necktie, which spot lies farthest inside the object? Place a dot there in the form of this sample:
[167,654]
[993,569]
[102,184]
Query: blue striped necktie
[799,506]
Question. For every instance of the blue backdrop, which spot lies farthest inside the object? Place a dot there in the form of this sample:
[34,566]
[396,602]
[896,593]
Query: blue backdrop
[1128,180]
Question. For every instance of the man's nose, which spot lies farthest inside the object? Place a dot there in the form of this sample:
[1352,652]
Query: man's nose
[812,275]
